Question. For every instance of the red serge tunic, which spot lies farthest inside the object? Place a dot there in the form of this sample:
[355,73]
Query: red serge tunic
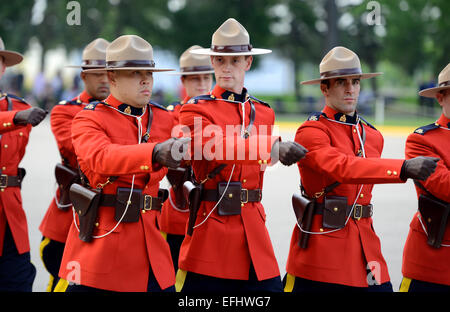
[56,222]
[106,144]
[173,219]
[341,257]
[225,246]
[13,141]
[421,261]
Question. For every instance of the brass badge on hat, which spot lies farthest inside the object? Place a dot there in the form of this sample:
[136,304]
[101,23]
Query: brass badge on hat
[127,110]
[343,118]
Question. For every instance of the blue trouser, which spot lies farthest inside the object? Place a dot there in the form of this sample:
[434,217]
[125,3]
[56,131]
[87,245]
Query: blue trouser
[17,273]
[421,286]
[52,253]
[174,242]
[195,283]
[309,286]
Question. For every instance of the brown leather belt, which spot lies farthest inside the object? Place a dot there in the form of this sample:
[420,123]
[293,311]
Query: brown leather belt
[246,195]
[7,181]
[147,202]
[359,211]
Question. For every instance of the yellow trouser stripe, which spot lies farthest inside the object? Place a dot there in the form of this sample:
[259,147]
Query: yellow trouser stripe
[179,280]
[290,280]
[44,243]
[61,286]
[164,235]
[404,286]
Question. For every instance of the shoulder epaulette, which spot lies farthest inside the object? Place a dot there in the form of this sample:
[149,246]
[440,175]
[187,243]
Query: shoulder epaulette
[158,105]
[314,116]
[258,100]
[12,96]
[367,123]
[71,102]
[171,106]
[425,129]
[93,105]
[205,97]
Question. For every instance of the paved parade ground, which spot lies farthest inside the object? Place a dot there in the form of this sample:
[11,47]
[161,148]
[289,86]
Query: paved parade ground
[394,204]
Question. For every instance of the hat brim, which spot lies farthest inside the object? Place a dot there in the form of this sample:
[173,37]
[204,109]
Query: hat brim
[94,70]
[361,76]
[431,92]
[11,58]
[254,51]
[192,73]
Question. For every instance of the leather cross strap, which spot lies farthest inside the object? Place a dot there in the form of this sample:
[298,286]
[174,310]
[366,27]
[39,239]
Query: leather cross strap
[7,181]
[359,211]
[246,195]
[148,202]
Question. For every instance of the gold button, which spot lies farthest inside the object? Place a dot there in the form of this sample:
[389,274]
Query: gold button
[2,189]
[21,133]
[265,161]
[395,172]
[335,209]
[146,167]
[5,146]
[242,204]
[429,220]
[142,167]
[4,124]
[143,211]
[362,195]
[260,161]
[8,124]
[96,224]
[321,229]
[204,214]
[354,130]
[389,172]
[244,181]
[3,168]
[230,195]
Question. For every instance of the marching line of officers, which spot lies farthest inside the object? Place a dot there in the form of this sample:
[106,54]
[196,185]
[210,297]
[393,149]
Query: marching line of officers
[110,227]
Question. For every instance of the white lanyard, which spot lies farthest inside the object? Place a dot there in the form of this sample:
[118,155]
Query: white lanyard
[139,119]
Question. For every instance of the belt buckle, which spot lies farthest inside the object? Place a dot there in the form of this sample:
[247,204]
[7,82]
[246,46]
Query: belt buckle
[357,212]
[3,181]
[246,197]
[148,204]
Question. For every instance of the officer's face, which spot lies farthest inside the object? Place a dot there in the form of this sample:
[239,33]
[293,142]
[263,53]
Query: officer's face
[2,67]
[133,87]
[443,98]
[342,94]
[230,71]
[197,84]
[96,84]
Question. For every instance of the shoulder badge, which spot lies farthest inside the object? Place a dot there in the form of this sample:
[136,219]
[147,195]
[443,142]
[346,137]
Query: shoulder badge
[314,116]
[158,105]
[258,100]
[72,102]
[92,105]
[425,129]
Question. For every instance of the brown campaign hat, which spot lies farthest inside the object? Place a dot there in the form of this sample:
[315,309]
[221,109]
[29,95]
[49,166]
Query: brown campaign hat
[443,84]
[130,52]
[10,58]
[194,64]
[340,62]
[94,55]
[231,38]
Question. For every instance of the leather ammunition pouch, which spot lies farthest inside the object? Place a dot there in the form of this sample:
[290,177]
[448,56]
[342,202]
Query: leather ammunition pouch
[65,177]
[435,214]
[86,202]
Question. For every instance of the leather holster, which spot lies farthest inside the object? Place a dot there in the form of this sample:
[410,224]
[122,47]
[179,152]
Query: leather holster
[65,177]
